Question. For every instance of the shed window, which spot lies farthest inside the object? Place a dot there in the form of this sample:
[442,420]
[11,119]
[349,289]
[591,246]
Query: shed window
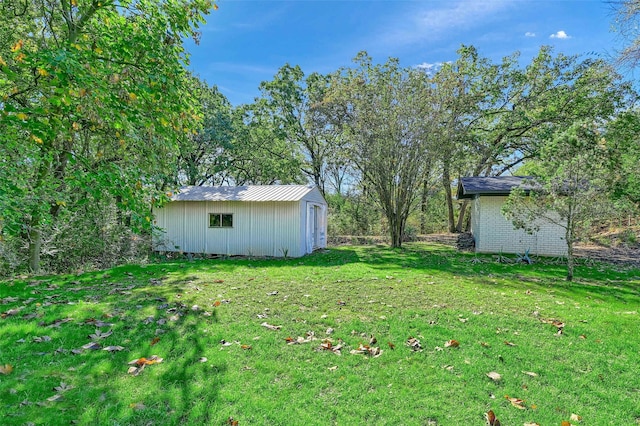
[220,220]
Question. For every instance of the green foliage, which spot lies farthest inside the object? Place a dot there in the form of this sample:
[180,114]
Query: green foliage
[94,97]
[573,189]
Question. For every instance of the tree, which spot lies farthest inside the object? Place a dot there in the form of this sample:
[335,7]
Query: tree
[626,23]
[205,157]
[502,114]
[297,107]
[93,99]
[385,134]
[573,189]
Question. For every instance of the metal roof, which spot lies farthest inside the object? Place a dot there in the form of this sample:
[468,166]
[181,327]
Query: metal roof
[468,187]
[243,193]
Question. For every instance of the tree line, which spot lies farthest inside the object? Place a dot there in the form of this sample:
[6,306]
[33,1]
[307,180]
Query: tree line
[101,122]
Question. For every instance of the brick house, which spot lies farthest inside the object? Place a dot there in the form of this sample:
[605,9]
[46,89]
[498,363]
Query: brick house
[493,232]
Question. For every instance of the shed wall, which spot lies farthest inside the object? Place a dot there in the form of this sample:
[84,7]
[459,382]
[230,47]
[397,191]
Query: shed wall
[259,228]
[494,233]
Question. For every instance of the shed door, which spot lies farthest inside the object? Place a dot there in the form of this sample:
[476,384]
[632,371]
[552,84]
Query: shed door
[314,227]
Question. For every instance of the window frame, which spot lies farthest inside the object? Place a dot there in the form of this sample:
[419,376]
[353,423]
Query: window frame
[222,219]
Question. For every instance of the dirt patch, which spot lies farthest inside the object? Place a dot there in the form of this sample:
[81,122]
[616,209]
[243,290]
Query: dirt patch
[618,255]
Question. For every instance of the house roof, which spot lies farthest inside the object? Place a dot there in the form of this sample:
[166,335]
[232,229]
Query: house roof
[469,187]
[243,193]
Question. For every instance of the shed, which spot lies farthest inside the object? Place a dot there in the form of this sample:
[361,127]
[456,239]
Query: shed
[261,220]
[493,232]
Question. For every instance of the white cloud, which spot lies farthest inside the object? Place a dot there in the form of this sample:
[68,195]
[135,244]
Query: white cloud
[560,34]
[529,34]
[431,20]
[431,68]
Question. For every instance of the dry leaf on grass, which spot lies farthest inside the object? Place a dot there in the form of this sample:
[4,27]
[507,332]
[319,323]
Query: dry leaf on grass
[532,424]
[516,402]
[63,387]
[270,326]
[575,418]
[153,359]
[496,377]
[113,348]
[100,335]
[492,420]
[414,344]
[530,373]
[452,344]
[6,369]
[91,345]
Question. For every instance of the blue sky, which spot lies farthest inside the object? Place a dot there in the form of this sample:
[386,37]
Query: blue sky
[245,41]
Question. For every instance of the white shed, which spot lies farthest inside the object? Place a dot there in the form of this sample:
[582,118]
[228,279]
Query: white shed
[493,232]
[269,220]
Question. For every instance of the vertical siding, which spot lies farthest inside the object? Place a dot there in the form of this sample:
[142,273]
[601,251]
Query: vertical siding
[259,228]
[497,234]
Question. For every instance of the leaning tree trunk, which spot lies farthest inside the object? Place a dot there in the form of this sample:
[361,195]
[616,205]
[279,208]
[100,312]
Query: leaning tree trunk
[446,183]
[461,218]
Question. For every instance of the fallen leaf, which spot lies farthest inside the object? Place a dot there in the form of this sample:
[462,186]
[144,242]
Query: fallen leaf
[203,359]
[582,336]
[55,398]
[137,406]
[414,344]
[6,369]
[91,345]
[452,344]
[63,387]
[509,343]
[391,345]
[496,377]
[155,340]
[485,345]
[334,368]
[100,335]
[113,348]
[575,418]
[532,424]
[492,420]
[134,371]
[225,343]
[218,281]
[246,347]
[341,303]
[271,327]
[565,423]
[530,373]
[232,422]
[41,339]
[273,293]
[216,303]
[516,402]
[153,359]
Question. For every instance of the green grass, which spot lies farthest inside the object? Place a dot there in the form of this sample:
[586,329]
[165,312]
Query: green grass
[428,292]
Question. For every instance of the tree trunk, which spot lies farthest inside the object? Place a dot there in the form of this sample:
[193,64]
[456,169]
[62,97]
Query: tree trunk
[423,207]
[446,183]
[569,238]
[461,218]
[396,229]
[35,244]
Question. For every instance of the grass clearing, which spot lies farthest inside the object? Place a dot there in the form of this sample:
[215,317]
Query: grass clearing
[501,314]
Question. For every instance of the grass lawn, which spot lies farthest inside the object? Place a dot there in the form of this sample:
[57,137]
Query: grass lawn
[257,342]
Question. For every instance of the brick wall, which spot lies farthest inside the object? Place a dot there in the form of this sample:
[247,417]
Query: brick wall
[493,233]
